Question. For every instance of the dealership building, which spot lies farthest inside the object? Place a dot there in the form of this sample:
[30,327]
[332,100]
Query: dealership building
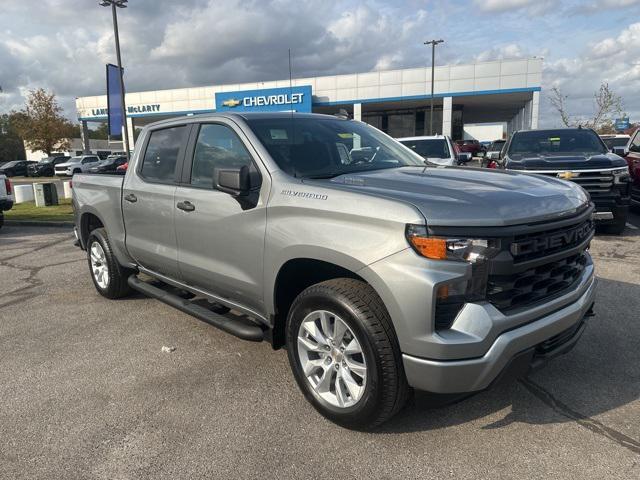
[467,99]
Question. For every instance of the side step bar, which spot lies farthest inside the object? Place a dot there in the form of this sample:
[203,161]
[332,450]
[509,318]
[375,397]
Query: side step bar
[239,328]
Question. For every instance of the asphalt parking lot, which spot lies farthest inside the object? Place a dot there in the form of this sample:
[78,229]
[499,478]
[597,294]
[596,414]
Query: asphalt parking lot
[86,392]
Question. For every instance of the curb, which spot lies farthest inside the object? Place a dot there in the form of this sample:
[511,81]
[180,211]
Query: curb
[33,223]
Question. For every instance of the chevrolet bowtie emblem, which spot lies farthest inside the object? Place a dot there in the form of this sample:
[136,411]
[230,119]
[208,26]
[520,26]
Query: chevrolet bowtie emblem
[567,175]
[232,102]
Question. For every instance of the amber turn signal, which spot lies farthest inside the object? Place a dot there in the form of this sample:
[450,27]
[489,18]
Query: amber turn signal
[435,248]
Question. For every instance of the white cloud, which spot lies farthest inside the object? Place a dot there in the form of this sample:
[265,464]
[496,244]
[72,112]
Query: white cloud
[535,7]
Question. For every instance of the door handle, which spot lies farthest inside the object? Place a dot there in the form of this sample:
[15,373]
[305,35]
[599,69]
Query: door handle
[187,206]
[131,198]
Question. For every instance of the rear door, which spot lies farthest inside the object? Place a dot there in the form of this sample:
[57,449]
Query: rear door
[221,238]
[148,200]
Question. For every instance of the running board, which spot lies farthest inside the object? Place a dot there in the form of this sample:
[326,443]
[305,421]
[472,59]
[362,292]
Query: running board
[238,327]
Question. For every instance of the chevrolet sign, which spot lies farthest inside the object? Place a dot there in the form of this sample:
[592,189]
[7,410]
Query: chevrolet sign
[267,100]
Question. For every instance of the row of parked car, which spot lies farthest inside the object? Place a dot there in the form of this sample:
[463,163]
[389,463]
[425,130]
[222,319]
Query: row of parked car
[64,165]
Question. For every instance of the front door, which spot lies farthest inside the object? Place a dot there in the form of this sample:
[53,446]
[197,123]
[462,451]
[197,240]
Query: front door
[220,237]
[633,159]
[148,201]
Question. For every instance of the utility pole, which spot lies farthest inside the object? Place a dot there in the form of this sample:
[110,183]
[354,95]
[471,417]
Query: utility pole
[433,44]
[119,4]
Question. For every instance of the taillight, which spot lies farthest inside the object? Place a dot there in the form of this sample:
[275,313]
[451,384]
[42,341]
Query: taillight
[7,186]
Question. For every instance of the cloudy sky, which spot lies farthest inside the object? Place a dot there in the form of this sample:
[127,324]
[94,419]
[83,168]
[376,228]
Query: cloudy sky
[62,45]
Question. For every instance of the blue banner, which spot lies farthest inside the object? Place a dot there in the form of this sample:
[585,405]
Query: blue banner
[283,99]
[114,102]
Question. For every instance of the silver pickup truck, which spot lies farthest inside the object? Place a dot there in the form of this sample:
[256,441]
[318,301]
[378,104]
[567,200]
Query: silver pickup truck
[378,273]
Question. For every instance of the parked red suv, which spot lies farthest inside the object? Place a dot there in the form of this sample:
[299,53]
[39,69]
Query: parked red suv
[632,155]
[472,146]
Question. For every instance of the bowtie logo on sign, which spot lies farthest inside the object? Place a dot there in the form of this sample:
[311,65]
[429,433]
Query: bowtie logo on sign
[267,100]
[232,102]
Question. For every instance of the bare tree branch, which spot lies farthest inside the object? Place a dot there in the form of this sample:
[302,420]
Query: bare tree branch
[607,106]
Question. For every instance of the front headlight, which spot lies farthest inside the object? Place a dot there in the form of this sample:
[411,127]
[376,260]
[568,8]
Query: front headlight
[471,250]
[620,175]
[452,295]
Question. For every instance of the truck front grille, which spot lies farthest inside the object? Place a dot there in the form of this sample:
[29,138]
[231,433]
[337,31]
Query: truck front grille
[542,244]
[516,290]
[592,182]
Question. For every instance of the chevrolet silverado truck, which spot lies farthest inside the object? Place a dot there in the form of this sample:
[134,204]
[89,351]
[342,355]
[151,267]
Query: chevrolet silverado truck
[379,273]
[578,155]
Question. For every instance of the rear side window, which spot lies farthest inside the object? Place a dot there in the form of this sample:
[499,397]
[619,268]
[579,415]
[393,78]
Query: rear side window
[218,147]
[161,156]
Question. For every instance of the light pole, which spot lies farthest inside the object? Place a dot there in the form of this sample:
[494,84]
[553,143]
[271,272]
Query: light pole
[119,4]
[433,44]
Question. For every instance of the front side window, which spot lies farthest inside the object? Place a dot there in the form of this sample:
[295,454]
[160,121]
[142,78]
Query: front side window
[556,142]
[218,147]
[634,146]
[161,156]
[309,147]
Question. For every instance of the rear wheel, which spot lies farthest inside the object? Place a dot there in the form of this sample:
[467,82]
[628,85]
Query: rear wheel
[345,355]
[1,219]
[109,277]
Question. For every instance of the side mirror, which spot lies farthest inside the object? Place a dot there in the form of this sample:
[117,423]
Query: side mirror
[234,181]
[621,151]
[464,157]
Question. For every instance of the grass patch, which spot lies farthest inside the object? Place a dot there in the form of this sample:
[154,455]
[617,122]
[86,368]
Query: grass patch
[28,211]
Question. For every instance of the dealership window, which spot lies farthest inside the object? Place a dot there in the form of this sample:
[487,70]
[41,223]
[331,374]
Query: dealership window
[161,156]
[218,146]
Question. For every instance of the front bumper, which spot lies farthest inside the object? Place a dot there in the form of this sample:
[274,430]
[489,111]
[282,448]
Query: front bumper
[520,346]
[5,205]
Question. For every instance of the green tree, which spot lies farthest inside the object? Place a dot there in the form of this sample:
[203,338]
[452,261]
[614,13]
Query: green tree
[11,145]
[42,125]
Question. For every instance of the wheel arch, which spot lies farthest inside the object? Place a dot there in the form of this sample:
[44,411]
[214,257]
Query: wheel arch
[293,277]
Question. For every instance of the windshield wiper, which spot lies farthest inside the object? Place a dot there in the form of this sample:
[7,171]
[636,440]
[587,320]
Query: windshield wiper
[321,177]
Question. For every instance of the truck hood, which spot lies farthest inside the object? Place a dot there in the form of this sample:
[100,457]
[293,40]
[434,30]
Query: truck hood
[453,196]
[563,162]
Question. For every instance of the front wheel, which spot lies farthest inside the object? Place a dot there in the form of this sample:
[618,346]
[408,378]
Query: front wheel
[345,355]
[109,277]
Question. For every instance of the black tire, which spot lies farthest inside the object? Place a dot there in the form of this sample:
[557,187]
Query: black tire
[117,286]
[77,170]
[618,227]
[1,219]
[359,306]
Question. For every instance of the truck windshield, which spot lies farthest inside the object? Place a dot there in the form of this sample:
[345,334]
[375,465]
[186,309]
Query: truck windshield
[556,142]
[615,142]
[328,147]
[429,148]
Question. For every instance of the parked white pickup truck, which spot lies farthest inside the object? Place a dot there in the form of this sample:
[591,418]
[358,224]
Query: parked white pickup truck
[6,197]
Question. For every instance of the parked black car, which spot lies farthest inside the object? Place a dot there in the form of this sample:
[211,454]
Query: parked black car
[15,168]
[45,167]
[109,165]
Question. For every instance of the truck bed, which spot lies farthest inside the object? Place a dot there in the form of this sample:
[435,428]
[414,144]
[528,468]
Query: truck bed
[101,195]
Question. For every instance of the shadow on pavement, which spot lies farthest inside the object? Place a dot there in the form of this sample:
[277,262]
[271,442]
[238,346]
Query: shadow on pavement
[600,374]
